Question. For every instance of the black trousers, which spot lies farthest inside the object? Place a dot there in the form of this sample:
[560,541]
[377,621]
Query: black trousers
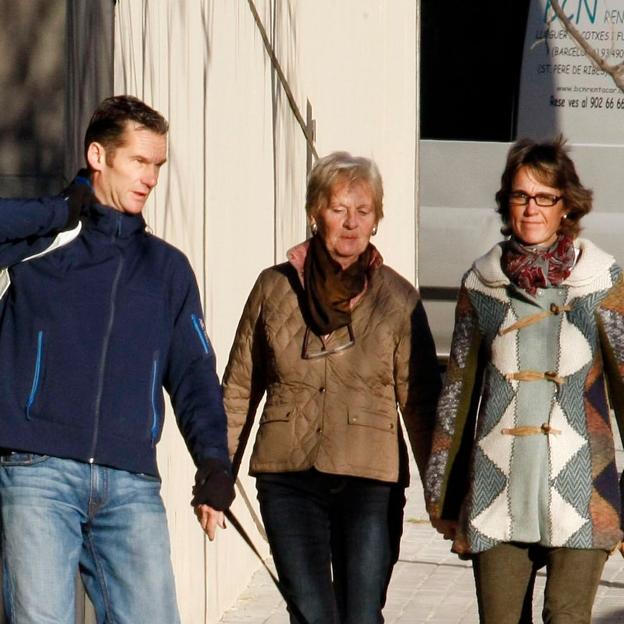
[334,541]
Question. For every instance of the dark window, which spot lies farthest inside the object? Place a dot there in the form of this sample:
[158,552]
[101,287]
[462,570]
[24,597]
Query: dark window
[32,94]
[56,64]
[471,54]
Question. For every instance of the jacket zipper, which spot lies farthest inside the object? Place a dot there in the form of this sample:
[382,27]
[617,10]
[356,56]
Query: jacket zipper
[105,342]
[37,374]
[154,429]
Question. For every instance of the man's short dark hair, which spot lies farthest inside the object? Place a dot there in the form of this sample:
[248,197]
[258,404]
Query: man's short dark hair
[109,120]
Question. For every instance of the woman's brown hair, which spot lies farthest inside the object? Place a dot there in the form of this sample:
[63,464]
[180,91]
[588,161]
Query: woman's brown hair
[549,164]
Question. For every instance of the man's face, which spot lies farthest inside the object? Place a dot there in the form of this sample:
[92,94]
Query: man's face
[125,179]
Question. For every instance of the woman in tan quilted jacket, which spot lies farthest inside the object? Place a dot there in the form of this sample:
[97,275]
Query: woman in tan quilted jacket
[337,341]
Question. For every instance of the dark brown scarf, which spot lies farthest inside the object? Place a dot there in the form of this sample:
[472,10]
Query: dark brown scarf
[531,267]
[329,289]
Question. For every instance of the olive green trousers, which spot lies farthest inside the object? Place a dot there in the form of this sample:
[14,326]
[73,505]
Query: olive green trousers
[505,576]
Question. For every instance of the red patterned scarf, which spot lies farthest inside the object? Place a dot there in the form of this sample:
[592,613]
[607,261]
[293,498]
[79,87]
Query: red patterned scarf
[531,267]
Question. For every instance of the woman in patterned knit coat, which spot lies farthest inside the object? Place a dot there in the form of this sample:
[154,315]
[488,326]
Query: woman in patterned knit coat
[522,471]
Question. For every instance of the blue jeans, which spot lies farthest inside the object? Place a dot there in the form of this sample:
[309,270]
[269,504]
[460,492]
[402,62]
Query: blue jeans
[334,541]
[60,516]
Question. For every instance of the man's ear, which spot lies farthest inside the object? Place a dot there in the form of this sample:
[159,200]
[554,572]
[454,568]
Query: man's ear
[96,156]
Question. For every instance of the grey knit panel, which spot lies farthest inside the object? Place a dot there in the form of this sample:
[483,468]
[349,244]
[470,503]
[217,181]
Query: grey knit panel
[583,538]
[497,395]
[487,483]
[574,483]
[479,542]
[570,397]
[582,316]
[491,313]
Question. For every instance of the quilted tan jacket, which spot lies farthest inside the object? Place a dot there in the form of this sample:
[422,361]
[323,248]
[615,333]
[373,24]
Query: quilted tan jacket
[336,413]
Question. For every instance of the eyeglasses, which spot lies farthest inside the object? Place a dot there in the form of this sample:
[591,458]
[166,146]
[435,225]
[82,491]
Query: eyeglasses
[343,337]
[544,200]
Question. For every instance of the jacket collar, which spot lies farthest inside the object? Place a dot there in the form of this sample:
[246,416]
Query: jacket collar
[488,268]
[591,261]
[109,221]
[296,256]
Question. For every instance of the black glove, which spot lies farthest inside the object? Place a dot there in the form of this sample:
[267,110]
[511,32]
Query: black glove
[214,485]
[79,195]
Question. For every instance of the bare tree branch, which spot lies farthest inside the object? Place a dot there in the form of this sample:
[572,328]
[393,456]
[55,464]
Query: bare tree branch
[615,71]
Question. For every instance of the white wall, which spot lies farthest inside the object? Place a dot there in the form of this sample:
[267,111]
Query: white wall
[232,193]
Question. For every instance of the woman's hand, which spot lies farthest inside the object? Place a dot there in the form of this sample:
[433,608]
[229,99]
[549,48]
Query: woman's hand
[448,528]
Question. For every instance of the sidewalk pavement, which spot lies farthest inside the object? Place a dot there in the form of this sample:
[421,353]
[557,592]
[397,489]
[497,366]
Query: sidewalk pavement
[429,584]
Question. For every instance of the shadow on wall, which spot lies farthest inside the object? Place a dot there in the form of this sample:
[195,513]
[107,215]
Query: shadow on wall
[282,33]
[611,618]
[289,141]
[31,99]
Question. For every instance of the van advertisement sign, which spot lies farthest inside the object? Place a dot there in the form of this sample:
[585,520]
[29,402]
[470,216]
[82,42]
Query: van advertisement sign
[561,90]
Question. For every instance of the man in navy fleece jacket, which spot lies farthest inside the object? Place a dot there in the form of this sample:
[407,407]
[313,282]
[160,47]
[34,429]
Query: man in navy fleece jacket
[98,316]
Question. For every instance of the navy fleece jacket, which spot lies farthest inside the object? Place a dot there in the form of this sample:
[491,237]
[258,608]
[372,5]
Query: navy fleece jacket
[90,333]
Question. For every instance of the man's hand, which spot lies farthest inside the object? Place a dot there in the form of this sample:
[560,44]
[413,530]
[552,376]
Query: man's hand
[213,491]
[620,547]
[209,519]
[448,528]
[214,485]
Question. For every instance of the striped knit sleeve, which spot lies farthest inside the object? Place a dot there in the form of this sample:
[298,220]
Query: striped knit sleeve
[447,471]
[611,327]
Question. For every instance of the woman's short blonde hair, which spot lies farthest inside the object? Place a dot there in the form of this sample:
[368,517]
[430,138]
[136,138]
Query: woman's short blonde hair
[339,167]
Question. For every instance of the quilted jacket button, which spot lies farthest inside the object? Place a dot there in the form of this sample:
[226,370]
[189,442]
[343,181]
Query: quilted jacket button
[321,390]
